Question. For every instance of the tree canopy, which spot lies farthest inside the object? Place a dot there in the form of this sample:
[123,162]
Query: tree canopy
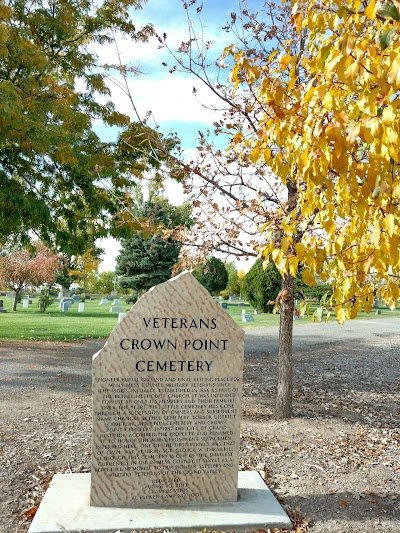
[261,286]
[311,174]
[23,268]
[57,178]
[329,129]
[212,274]
[148,258]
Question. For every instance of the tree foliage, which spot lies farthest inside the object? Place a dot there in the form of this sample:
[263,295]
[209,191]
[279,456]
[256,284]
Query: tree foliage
[85,267]
[261,286]
[23,268]
[311,172]
[56,176]
[233,285]
[329,130]
[102,282]
[147,259]
[212,274]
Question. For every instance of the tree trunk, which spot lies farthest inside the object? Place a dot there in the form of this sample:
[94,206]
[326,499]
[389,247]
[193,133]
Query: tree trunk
[14,307]
[283,407]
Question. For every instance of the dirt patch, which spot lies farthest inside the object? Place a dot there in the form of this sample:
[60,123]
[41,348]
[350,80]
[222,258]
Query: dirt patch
[336,464]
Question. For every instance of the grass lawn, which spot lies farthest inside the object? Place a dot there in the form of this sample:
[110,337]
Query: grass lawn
[98,322]
[29,324]
[269,319]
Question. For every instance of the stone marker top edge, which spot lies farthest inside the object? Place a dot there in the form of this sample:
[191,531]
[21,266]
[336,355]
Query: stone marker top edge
[239,330]
[200,287]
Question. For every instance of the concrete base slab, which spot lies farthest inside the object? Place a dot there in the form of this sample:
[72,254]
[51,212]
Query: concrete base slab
[65,507]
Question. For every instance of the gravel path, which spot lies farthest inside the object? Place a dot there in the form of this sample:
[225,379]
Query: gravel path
[335,465]
[313,336]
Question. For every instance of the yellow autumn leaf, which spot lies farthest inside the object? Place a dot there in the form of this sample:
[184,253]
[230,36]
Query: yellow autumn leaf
[388,224]
[300,250]
[394,73]
[293,266]
[341,315]
[370,10]
[396,189]
[308,278]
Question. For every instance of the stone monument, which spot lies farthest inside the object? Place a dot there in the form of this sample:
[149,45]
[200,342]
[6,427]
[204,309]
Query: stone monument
[167,402]
[166,416]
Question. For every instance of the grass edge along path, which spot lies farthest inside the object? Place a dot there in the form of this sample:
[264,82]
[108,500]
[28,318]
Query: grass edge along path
[97,322]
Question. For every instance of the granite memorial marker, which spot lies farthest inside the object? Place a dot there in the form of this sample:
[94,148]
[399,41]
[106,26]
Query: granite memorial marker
[167,400]
[166,414]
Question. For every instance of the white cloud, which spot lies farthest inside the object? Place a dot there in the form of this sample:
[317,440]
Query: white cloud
[172,99]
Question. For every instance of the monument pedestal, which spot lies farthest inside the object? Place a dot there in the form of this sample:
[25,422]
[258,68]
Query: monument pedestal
[65,507]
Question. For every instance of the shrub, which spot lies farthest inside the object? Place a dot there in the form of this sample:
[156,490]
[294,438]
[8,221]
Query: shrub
[259,286]
[44,301]
[131,298]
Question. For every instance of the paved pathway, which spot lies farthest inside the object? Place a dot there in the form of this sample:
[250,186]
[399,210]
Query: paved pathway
[259,341]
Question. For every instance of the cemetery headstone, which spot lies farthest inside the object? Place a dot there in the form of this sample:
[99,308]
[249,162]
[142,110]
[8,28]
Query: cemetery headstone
[121,316]
[76,298]
[166,402]
[67,300]
[117,301]
[25,303]
[2,310]
[115,309]
[64,307]
[81,307]
[104,301]
[224,305]
[247,317]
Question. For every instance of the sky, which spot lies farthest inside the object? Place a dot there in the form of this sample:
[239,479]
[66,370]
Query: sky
[169,97]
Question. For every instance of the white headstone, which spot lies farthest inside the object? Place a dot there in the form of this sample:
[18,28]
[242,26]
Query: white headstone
[81,307]
[121,316]
[25,303]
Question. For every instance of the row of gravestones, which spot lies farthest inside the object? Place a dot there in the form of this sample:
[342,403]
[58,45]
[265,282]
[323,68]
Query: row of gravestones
[25,305]
[67,302]
[115,306]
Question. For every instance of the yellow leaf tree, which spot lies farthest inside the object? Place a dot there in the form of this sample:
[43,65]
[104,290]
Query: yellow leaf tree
[312,165]
[328,127]
[85,266]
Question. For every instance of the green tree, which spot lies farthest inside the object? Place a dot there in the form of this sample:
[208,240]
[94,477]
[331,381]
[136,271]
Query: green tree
[262,285]
[212,274]
[147,258]
[102,282]
[233,285]
[56,176]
